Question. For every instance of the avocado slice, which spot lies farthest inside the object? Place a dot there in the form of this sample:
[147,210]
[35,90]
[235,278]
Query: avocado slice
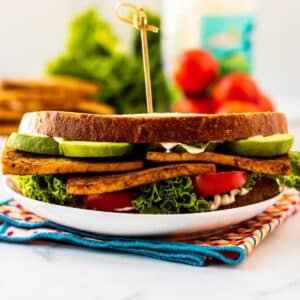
[259,146]
[33,144]
[94,149]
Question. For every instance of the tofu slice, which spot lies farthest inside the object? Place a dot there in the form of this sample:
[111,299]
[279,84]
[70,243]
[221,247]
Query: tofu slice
[105,184]
[21,163]
[276,166]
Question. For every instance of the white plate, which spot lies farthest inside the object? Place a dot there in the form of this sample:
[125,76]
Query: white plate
[129,224]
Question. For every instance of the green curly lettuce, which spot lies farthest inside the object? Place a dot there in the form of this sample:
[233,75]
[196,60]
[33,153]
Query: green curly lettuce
[252,178]
[292,181]
[172,196]
[94,53]
[46,188]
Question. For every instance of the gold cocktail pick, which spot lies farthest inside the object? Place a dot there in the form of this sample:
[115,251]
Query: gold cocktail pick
[140,22]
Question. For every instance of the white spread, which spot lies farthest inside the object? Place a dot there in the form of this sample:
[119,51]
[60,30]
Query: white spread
[58,139]
[127,208]
[188,148]
[169,146]
[256,137]
[228,198]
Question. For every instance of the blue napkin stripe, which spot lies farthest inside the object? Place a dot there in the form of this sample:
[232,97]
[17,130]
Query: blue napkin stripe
[172,251]
[191,254]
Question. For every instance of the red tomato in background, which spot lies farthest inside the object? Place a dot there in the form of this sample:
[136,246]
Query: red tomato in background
[211,184]
[109,201]
[237,107]
[266,103]
[199,106]
[195,70]
[236,86]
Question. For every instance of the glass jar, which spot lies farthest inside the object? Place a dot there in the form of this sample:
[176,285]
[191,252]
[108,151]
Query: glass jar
[223,27]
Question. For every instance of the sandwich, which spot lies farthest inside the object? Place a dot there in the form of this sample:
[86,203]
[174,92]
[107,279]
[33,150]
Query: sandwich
[152,163]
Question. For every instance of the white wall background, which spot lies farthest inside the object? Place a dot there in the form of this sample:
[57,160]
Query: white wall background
[33,31]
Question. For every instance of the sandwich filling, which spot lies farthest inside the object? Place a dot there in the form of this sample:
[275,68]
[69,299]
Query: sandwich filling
[160,178]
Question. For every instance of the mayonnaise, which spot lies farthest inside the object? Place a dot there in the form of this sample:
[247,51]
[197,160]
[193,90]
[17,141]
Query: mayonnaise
[228,198]
[188,148]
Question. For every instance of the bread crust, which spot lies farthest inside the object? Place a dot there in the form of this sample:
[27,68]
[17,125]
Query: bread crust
[153,128]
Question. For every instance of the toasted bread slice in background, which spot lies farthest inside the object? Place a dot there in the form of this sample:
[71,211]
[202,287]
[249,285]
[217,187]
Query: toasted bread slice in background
[10,115]
[50,84]
[93,107]
[8,128]
[17,107]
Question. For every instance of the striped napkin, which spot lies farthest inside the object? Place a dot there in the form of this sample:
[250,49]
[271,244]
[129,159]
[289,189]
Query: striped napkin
[230,247]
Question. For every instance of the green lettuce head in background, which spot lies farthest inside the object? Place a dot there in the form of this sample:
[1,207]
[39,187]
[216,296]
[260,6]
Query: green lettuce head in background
[94,53]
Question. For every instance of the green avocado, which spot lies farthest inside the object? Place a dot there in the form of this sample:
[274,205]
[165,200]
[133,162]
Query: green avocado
[259,146]
[94,149]
[33,144]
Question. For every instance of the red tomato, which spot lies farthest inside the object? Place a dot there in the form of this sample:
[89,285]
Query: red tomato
[237,107]
[236,86]
[109,201]
[211,184]
[199,106]
[195,70]
[266,103]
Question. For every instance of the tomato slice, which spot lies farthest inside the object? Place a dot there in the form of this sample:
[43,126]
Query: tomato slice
[110,201]
[211,184]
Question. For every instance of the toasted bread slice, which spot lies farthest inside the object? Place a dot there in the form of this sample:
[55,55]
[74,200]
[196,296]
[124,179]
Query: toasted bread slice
[275,166]
[8,128]
[153,128]
[50,84]
[10,115]
[19,107]
[40,95]
[106,184]
[21,163]
[93,107]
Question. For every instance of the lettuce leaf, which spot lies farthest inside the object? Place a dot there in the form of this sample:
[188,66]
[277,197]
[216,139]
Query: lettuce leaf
[295,162]
[94,53]
[46,188]
[292,181]
[171,196]
[252,178]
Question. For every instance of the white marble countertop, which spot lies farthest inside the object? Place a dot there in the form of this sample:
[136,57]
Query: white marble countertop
[58,271]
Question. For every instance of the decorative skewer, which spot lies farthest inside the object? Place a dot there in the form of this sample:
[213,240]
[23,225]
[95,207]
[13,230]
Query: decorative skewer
[140,22]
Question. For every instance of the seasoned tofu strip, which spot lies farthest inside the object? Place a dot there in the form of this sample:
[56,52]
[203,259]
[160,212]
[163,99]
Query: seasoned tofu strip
[276,166]
[21,163]
[104,184]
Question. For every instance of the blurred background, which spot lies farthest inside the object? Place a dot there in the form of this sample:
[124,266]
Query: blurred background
[34,32]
